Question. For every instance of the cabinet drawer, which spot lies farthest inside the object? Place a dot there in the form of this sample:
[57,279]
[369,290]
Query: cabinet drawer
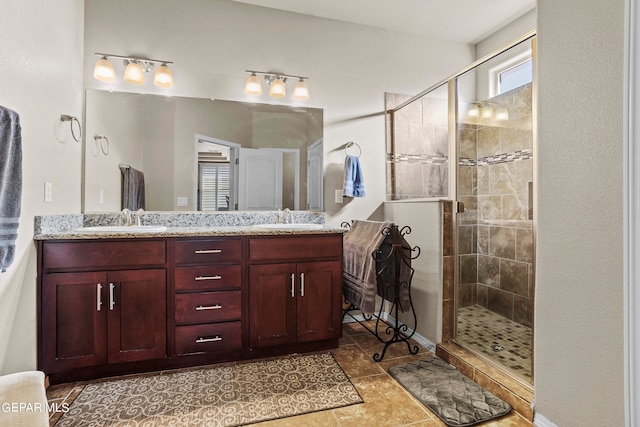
[208,307]
[103,254]
[212,337]
[207,278]
[309,247]
[207,251]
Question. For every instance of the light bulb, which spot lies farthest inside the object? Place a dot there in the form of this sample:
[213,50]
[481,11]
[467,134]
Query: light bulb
[502,114]
[278,89]
[486,112]
[474,111]
[253,85]
[104,71]
[301,90]
[133,73]
[163,77]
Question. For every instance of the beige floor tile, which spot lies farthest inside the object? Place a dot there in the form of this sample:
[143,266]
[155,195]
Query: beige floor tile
[355,362]
[324,419]
[386,404]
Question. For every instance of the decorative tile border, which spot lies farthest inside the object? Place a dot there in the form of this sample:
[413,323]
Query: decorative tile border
[498,158]
[424,159]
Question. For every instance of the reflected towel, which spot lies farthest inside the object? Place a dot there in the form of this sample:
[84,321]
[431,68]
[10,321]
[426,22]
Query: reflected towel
[359,268]
[353,180]
[132,188]
[10,184]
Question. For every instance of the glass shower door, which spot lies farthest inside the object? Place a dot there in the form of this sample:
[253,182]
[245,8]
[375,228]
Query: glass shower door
[494,286]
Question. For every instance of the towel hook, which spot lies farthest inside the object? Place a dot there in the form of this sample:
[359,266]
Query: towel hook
[102,139]
[72,119]
[351,144]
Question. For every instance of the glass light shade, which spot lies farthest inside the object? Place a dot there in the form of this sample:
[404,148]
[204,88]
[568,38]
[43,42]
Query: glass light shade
[502,114]
[163,77]
[278,89]
[301,90]
[133,73]
[253,86]
[486,112]
[104,71]
[474,111]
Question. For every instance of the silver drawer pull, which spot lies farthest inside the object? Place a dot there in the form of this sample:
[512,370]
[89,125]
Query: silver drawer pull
[208,251]
[99,296]
[208,307]
[208,278]
[202,340]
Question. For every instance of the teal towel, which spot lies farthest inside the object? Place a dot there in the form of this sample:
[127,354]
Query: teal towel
[353,181]
[10,184]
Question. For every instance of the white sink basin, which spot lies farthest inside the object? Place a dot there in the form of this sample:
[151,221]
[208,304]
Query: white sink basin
[123,229]
[299,226]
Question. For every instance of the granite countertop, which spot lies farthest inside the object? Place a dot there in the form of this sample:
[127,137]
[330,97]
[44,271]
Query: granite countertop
[183,232]
[178,224]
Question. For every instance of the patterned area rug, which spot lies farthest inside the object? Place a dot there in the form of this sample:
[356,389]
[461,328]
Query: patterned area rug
[454,398]
[221,396]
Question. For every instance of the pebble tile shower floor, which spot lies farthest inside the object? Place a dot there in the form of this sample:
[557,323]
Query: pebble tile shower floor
[500,339]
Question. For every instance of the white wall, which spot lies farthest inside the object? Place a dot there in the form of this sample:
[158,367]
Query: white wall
[578,356]
[425,221]
[213,42]
[41,69]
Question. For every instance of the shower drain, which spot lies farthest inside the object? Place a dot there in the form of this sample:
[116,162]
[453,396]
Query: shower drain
[497,347]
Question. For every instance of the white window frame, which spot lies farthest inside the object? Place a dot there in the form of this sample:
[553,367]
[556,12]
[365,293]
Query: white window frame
[494,72]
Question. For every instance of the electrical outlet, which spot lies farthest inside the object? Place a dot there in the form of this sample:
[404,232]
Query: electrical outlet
[101,197]
[339,196]
[48,191]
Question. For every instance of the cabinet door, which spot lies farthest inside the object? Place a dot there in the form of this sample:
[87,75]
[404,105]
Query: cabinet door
[136,303]
[319,304]
[272,303]
[73,330]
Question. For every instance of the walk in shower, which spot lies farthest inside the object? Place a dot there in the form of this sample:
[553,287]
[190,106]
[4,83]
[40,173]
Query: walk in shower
[483,117]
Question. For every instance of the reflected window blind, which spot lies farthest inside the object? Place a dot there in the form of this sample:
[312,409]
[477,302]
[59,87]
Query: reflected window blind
[214,186]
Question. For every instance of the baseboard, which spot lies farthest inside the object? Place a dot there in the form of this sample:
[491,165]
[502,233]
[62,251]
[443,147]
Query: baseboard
[540,421]
[425,342]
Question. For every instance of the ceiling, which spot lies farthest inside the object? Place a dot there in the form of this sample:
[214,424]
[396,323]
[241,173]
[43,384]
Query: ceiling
[463,21]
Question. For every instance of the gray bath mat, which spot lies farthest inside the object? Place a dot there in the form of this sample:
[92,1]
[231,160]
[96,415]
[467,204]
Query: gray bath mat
[454,398]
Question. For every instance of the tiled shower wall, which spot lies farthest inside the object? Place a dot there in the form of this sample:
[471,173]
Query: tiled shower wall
[495,231]
[417,148]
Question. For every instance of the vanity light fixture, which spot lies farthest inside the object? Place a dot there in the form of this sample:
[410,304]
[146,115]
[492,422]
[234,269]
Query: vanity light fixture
[488,110]
[474,111]
[277,83]
[135,70]
[502,113]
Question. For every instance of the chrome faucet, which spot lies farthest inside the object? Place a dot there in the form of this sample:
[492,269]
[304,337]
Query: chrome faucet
[139,213]
[125,217]
[288,216]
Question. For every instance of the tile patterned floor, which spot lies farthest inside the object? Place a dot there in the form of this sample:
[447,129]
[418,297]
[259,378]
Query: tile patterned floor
[497,338]
[386,402]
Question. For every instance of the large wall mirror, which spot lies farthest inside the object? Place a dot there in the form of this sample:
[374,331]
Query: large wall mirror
[201,154]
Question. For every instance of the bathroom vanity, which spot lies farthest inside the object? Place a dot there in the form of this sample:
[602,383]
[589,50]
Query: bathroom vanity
[112,304]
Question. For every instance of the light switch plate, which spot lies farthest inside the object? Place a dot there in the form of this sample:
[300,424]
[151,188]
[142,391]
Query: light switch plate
[339,196]
[48,191]
[183,201]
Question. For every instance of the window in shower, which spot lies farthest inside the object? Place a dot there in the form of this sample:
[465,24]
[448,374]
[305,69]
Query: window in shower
[494,179]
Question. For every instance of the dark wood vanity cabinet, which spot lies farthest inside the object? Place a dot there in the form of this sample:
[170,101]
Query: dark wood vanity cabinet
[93,316]
[208,295]
[294,302]
[117,306]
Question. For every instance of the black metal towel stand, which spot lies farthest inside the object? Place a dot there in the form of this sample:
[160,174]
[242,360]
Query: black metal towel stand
[392,257]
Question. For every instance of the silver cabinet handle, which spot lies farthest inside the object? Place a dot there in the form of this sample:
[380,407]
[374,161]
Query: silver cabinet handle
[208,307]
[293,285]
[112,300]
[208,251]
[301,284]
[208,277]
[202,340]
[99,296]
